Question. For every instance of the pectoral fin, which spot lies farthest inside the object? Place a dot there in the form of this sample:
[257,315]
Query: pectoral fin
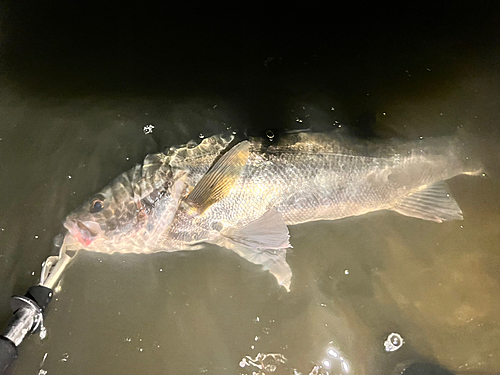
[267,232]
[272,260]
[432,202]
[263,242]
[220,179]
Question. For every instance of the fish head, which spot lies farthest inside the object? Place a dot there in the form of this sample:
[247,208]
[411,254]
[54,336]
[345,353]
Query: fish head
[125,214]
[96,218]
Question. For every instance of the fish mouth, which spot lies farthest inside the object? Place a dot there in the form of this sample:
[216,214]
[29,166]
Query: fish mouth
[84,231]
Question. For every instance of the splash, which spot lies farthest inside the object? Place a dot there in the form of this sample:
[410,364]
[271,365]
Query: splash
[264,363]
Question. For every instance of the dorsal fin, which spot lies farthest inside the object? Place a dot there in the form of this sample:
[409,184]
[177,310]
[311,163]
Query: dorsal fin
[210,147]
[220,179]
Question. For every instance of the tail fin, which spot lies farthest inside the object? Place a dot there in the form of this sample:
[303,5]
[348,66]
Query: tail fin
[471,151]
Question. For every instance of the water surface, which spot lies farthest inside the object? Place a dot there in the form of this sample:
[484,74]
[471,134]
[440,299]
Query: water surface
[73,107]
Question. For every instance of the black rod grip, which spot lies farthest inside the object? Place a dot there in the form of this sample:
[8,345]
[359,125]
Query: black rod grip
[8,353]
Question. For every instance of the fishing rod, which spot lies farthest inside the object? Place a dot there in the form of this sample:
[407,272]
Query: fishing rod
[28,310]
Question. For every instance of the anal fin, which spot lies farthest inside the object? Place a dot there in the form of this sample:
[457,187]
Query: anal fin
[432,202]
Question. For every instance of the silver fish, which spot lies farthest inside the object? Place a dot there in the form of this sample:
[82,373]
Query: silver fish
[243,196]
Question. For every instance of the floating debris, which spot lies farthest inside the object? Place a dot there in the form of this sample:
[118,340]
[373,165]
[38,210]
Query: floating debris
[43,359]
[148,129]
[264,362]
[43,334]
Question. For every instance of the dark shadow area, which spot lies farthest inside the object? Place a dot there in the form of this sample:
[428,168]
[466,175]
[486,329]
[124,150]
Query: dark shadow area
[259,58]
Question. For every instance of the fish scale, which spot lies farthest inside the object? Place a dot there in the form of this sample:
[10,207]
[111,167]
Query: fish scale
[270,179]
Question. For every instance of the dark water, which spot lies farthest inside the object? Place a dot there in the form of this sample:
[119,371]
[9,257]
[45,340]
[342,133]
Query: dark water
[78,85]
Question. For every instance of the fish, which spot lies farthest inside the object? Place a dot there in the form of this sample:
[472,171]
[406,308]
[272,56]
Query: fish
[243,195]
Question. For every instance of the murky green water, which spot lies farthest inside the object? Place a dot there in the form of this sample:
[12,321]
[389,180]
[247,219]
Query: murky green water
[355,280]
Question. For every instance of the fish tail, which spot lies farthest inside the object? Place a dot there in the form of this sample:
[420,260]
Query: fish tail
[470,149]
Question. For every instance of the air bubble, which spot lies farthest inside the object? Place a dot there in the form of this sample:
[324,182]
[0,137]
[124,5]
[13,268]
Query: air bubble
[270,368]
[393,342]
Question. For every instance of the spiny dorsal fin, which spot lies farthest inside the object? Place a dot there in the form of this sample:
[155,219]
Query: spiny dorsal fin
[178,156]
[220,179]
[432,202]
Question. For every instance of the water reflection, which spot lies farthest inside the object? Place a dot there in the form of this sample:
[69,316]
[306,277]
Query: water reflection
[437,285]
[335,361]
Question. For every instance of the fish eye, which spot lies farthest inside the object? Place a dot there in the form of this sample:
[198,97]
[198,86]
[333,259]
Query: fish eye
[96,206]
